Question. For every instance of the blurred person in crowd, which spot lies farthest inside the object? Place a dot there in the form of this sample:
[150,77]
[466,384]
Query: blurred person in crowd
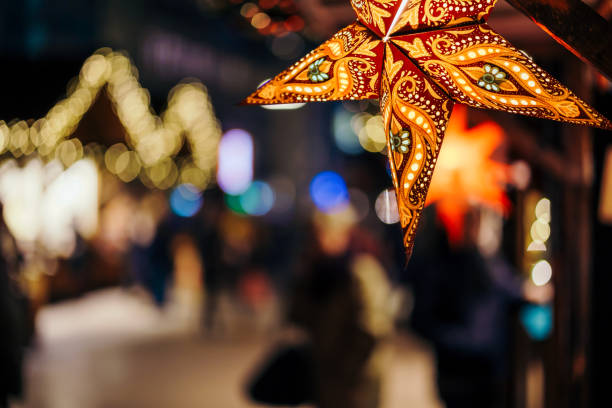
[13,326]
[226,244]
[158,270]
[142,229]
[341,300]
[237,235]
[210,247]
[156,264]
[236,266]
[463,304]
[187,287]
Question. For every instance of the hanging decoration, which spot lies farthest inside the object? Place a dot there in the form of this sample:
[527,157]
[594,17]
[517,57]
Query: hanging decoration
[419,58]
[466,174]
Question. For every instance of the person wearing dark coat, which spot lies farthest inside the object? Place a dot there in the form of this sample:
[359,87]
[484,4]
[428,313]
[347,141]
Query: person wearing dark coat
[12,330]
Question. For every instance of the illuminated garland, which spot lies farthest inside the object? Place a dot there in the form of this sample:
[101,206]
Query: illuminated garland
[152,141]
[260,15]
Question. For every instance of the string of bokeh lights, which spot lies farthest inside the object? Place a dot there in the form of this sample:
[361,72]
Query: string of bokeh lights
[152,141]
[537,319]
[541,270]
[272,17]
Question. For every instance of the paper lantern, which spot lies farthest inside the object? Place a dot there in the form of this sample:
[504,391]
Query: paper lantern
[419,58]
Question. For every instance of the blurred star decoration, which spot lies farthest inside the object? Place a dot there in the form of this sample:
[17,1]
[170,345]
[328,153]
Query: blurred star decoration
[419,57]
[466,173]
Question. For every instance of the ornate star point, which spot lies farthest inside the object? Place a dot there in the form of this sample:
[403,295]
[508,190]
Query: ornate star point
[419,57]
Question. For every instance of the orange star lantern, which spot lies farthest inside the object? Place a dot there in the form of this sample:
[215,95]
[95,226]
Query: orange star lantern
[419,57]
[466,174]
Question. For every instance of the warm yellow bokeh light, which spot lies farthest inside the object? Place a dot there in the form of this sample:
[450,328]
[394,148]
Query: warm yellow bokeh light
[152,140]
[541,273]
[540,231]
[542,210]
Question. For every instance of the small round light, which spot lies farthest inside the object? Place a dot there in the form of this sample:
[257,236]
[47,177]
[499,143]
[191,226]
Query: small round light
[541,273]
[260,20]
[185,200]
[328,191]
[344,136]
[540,230]
[386,207]
[542,210]
[537,321]
[235,161]
[258,199]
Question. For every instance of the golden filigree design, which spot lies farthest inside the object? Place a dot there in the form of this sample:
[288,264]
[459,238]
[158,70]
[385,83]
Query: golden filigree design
[379,15]
[415,113]
[416,48]
[478,67]
[376,15]
[345,67]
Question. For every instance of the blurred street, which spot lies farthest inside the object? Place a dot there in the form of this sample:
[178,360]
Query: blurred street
[124,352]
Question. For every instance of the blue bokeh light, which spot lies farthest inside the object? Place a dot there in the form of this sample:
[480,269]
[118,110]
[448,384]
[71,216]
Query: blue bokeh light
[328,191]
[537,321]
[185,200]
[258,199]
[344,136]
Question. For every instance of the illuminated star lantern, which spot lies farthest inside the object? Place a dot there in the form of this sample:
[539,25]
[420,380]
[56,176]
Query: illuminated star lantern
[419,57]
[466,173]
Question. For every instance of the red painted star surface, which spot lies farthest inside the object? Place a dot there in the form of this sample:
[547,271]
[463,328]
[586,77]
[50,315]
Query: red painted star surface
[419,57]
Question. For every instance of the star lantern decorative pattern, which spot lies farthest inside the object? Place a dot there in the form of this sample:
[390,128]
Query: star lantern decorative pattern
[419,58]
[466,173]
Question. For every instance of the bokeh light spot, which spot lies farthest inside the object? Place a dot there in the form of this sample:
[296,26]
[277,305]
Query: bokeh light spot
[540,230]
[235,161]
[328,191]
[541,273]
[233,203]
[260,20]
[537,321]
[386,207]
[542,210]
[344,136]
[372,134]
[258,199]
[185,200]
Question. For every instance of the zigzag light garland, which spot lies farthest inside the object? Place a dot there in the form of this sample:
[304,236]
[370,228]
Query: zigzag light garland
[155,140]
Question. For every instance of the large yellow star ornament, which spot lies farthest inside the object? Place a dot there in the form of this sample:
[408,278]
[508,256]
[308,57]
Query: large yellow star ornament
[419,57]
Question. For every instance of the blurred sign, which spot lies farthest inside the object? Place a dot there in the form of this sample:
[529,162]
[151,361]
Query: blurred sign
[605,201]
